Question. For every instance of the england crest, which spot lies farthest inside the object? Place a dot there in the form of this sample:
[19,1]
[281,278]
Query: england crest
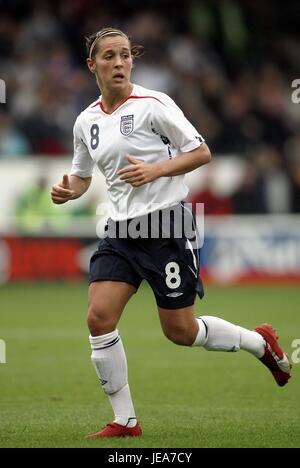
[126,125]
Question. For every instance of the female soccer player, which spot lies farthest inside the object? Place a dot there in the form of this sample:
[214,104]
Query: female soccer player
[143,144]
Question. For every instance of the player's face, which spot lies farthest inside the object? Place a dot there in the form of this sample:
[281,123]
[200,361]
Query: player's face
[113,62]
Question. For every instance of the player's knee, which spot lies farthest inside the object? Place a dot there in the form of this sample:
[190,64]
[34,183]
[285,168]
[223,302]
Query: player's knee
[99,320]
[179,335]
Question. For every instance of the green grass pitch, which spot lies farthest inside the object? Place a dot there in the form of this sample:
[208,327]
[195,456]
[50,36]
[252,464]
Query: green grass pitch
[184,397]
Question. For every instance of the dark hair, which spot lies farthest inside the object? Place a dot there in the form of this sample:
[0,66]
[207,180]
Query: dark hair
[92,42]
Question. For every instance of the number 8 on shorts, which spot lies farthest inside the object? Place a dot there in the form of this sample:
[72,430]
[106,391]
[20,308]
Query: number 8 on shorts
[173,279]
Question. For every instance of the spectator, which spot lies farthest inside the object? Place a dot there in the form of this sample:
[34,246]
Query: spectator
[12,142]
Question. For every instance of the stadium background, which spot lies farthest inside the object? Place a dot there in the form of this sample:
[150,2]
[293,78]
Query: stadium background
[230,66]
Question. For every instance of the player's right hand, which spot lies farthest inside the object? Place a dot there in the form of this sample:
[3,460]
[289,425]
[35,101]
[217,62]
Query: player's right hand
[61,193]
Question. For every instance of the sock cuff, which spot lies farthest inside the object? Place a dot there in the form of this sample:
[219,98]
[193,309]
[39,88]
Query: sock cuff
[104,341]
[201,337]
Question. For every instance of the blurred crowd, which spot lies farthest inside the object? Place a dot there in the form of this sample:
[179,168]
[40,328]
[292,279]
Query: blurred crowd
[228,64]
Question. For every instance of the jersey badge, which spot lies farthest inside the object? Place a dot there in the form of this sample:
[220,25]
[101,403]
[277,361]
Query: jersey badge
[126,125]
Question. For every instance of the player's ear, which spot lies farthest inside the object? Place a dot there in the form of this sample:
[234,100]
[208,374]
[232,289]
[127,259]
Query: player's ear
[91,65]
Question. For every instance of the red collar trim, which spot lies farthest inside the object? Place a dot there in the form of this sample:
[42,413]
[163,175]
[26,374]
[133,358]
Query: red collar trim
[99,103]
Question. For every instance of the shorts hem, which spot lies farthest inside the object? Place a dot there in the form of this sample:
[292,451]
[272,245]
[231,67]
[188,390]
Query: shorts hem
[176,306]
[122,280]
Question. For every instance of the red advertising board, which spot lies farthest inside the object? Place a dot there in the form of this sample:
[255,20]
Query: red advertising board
[33,258]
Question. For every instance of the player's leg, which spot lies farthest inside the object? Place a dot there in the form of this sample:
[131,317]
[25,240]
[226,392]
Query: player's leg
[215,334]
[180,325]
[107,300]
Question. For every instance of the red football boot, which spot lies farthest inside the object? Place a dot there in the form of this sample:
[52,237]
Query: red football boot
[116,430]
[274,358]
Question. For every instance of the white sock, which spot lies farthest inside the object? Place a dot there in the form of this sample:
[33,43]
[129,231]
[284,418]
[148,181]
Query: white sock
[110,363]
[202,333]
[123,408]
[221,335]
[252,342]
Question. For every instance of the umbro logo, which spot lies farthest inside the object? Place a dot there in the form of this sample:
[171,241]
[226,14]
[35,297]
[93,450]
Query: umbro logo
[103,382]
[233,349]
[175,294]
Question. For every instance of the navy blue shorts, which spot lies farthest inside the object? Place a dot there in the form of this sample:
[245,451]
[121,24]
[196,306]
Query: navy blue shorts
[169,259]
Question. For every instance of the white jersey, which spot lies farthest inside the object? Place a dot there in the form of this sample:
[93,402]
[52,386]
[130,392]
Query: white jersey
[149,126]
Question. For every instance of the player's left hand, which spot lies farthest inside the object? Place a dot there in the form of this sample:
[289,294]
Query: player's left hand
[139,173]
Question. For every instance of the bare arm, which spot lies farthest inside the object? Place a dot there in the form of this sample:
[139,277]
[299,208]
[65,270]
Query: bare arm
[79,185]
[185,162]
[70,188]
[140,173]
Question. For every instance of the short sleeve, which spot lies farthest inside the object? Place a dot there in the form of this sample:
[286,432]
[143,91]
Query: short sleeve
[169,121]
[82,164]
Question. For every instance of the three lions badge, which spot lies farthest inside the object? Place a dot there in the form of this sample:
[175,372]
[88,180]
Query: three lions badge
[126,125]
